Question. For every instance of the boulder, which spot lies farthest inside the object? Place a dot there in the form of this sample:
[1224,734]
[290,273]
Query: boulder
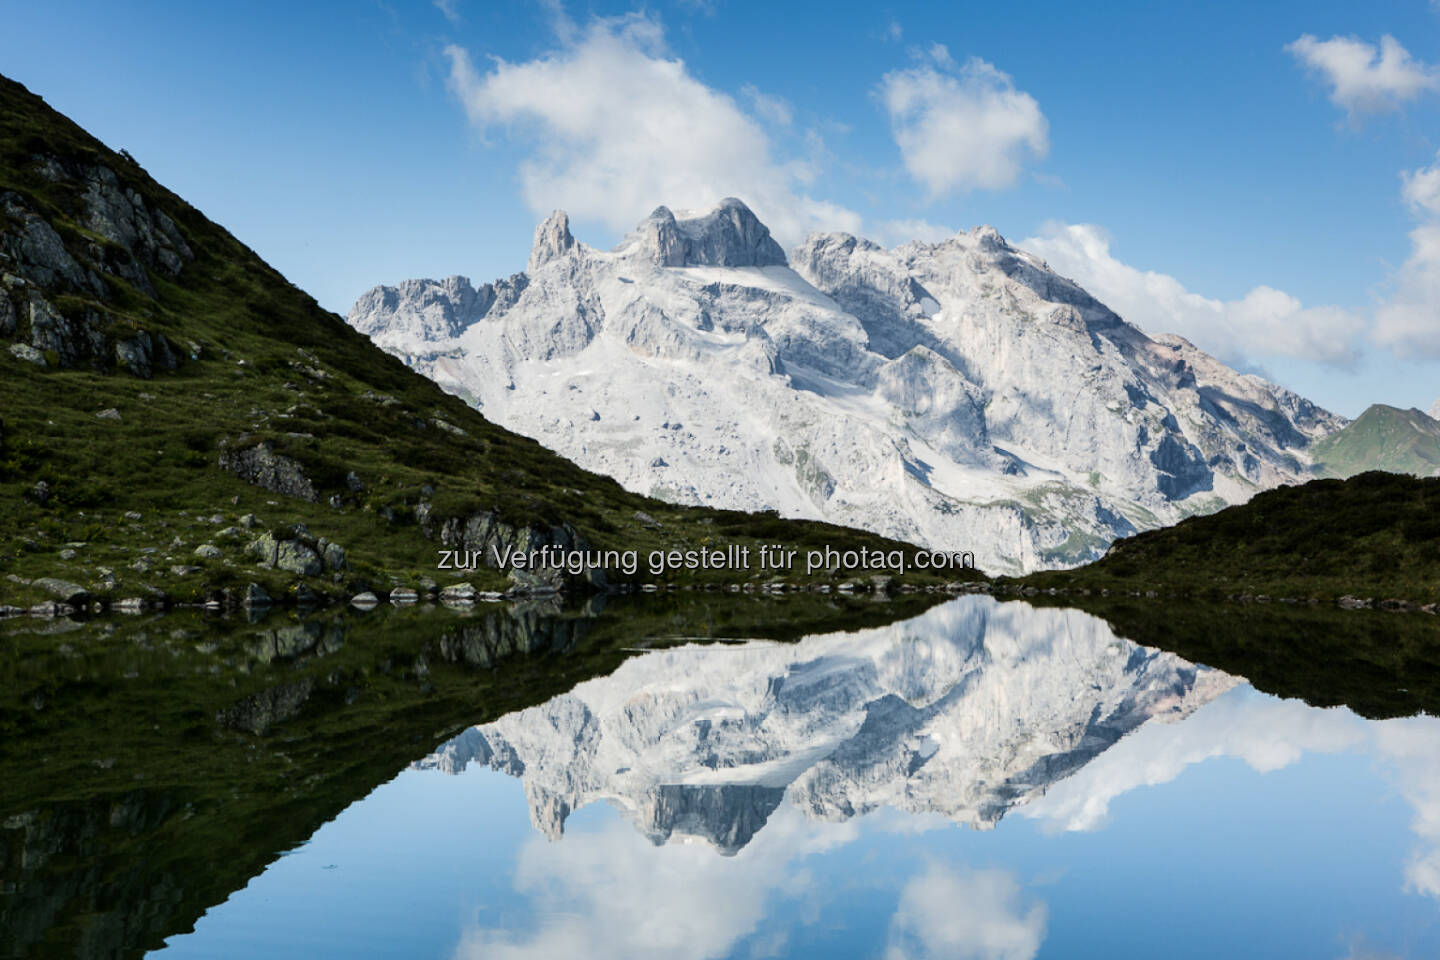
[262,466]
[28,353]
[62,590]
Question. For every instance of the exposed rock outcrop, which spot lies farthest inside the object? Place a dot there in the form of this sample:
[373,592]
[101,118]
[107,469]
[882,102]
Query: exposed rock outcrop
[263,467]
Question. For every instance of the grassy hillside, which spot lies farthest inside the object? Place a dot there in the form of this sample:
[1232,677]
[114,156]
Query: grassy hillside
[1376,535]
[1382,438]
[142,347]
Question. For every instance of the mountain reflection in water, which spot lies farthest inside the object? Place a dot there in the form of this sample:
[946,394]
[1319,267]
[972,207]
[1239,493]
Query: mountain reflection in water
[985,779]
[966,711]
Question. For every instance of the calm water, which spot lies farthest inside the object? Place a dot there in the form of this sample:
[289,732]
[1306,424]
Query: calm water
[984,781]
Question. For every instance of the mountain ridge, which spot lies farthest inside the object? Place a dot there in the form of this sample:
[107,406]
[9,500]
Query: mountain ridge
[957,394]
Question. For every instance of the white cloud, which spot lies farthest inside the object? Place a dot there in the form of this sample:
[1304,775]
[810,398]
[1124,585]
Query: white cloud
[1421,189]
[611,893]
[1363,79]
[1266,733]
[1264,323]
[1408,320]
[959,128]
[450,8]
[618,127]
[974,915]
[776,110]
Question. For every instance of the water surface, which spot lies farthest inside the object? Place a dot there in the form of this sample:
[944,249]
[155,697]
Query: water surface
[983,779]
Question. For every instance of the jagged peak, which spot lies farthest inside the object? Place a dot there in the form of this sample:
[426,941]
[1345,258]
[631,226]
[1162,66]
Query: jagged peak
[552,240]
[1435,410]
[727,235]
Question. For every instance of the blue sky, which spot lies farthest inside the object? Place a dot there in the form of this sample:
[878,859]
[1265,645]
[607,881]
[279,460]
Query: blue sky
[1204,170]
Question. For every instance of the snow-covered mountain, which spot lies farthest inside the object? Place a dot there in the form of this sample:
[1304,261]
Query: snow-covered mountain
[958,395]
[966,711]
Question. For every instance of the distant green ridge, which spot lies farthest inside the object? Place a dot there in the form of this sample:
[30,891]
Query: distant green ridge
[1375,536]
[1382,438]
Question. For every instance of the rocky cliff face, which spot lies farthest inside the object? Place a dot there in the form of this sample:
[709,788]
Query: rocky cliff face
[958,395]
[966,711]
[42,273]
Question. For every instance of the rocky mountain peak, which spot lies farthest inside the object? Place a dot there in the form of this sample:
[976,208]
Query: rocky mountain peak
[1435,410]
[989,239]
[552,240]
[727,235]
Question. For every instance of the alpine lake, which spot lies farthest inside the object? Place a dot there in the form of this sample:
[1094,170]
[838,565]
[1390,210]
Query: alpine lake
[701,776]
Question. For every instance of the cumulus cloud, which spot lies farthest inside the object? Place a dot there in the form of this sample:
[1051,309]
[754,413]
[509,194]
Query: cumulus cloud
[611,893]
[1364,79]
[972,915]
[1264,323]
[962,127]
[1267,734]
[1408,320]
[618,127]
[450,9]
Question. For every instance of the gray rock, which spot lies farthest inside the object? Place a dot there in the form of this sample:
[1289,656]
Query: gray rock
[294,556]
[63,590]
[134,515]
[50,330]
[333,555]
[552,240]
[130,605]
[136,354]
[255,596]
[26,352]
[365,601]
[353,481]
[121,215]
[403,595]
[207,551]
[458,594]
[184,570]
[38,249]
[109,413]
[249,521]
[67,554]
[262,466]
[7,315]
[728,236]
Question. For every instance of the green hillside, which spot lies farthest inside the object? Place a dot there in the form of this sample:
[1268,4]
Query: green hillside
[171,407]
[1382,438]
[1375,535]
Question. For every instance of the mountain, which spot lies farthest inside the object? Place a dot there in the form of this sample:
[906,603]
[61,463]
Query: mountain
[1382,438]
[1435,411]
[959,395]
[179,419]
[1363,541]
[966,711]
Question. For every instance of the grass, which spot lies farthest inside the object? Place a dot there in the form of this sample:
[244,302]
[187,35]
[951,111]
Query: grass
[1375,535]
[261,361]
